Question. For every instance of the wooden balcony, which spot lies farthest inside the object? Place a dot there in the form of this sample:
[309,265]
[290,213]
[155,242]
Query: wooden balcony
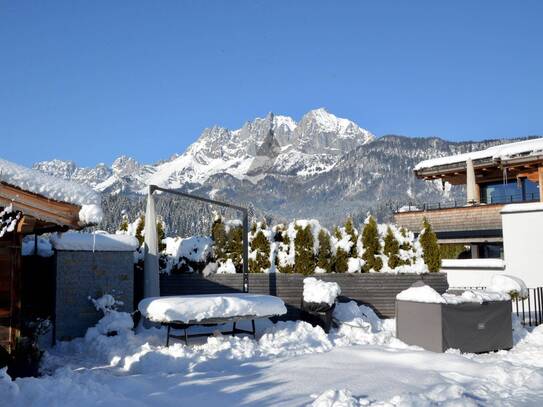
[478,223]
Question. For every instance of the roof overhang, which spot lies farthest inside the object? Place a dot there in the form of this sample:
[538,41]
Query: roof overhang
[41,214]
[486,169]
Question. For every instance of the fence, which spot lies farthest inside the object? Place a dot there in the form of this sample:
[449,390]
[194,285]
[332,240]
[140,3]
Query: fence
[461,203]
[377,290]
[530,310]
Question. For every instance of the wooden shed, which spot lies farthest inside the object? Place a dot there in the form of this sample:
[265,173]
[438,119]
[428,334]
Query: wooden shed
[24,213]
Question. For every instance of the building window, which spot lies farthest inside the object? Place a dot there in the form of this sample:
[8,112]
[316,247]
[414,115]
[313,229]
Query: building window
[520,190]
[491,251]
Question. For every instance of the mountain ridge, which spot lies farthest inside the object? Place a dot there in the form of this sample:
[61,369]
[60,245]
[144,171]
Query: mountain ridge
[321,167]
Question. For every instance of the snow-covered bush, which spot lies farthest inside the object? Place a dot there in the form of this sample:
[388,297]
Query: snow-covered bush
[341,247]
[304,257]
[372,246]
[430,247]
[324,259]
[260,248]
[113,321]
[302,246]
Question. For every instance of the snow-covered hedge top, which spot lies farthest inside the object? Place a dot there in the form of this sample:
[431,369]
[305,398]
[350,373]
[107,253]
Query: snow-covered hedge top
[318,291]
[53,188]
[502,151]
[508,284]
[427,294]
[94,242]
[195,248]
[188,308]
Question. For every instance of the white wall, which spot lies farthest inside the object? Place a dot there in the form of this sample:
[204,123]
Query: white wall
[471,272]
[523,242]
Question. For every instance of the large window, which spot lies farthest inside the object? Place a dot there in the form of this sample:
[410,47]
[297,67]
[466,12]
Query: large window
[511,191]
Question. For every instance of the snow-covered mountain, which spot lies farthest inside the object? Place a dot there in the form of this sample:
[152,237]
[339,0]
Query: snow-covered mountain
[321,166]
[311,146]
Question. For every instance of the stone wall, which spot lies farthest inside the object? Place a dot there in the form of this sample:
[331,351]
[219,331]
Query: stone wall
[84,274]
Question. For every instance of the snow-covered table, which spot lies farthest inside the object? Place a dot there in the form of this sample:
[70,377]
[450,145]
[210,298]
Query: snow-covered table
[184,311]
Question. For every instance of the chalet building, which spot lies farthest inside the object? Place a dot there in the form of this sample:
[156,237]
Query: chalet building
[500,175]
[32,203]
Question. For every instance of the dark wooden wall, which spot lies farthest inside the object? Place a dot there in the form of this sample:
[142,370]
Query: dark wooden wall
[376,290]
[10,301]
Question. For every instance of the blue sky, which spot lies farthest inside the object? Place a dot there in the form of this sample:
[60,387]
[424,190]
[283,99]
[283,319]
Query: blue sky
[91,80]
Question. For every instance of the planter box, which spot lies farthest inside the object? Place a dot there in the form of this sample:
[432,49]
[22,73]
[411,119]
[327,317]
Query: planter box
[469,327]
[374,289]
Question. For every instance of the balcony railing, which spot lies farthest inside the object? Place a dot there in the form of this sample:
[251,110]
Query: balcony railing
[460,203]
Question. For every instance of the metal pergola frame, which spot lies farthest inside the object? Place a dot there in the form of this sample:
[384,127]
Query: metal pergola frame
[244,211]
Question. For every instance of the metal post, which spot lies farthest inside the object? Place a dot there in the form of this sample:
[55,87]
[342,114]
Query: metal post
[540,291]
[529,310]
[245,212]
[245,251]
[523,317]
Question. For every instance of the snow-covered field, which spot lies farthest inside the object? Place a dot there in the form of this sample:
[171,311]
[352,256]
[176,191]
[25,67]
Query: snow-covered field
[291,364]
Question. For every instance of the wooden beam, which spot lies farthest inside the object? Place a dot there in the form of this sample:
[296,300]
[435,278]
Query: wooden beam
[26,225]
[39,207]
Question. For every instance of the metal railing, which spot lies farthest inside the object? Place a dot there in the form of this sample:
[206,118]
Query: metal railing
[461,203]
[530,310]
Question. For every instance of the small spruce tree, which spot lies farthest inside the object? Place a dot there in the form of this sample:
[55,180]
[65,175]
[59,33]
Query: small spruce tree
[261,246]
[139,229]
[392,249]
[351,231]
[324,260]
[160,234]
[372,247]
[430,247]
[234,239]
[283,247]
[123,227]
[341,261]
[304,259]
[218,234]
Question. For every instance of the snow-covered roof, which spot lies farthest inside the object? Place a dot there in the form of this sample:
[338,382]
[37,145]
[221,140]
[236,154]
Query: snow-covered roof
[53,188]
[499,152]
[100,242]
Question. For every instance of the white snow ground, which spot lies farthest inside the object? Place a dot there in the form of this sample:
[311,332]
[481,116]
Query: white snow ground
[291,364]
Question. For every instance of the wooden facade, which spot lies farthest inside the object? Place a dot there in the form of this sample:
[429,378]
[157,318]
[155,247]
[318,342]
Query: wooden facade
[475,223]
[38,215]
